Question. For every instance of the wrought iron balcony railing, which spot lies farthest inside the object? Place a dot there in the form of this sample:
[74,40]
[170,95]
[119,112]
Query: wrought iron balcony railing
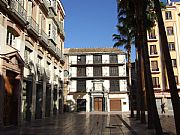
[33,25]
[44,37]
[46,4]
[60,26]
[155,69]
[18,9]
[52,47]
[156,86]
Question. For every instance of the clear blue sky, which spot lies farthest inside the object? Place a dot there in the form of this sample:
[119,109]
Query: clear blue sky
[90,23]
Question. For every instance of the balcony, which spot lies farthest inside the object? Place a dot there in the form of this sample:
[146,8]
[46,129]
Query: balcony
[60,27]
[156,86]
[58,52]
[33,27]
[155,70]
[45,5]
[44,38]
[152,38]
[52,47]
[153,54]
[62,59]
[18,12]
[4,3]
[53,8]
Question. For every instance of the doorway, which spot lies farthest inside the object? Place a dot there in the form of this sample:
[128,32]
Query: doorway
[10,116]
[98,104]
[81,105]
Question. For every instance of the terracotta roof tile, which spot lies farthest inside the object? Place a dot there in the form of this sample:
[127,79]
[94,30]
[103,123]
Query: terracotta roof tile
[93,50]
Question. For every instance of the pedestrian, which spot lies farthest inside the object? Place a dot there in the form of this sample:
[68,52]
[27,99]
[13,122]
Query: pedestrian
[162,108]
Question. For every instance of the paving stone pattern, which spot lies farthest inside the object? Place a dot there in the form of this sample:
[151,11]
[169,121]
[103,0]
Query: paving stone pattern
[89,124]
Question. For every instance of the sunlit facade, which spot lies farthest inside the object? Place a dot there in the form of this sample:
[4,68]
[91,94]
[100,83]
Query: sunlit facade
[96,79]
[171,18]
[31,59]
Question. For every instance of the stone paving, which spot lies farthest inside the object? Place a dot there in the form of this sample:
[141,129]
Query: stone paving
[102,123]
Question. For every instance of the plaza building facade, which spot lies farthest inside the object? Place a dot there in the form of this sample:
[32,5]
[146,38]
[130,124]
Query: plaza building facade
[31,60]
[158,71]
[96,79]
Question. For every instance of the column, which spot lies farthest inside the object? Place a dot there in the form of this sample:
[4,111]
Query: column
[92,103]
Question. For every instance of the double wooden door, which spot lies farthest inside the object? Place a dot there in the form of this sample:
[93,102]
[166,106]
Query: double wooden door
[98,104]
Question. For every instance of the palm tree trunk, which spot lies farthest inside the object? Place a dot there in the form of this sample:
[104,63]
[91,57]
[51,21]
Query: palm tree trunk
[129,80]
[170,73]
[139,44]
[148,80]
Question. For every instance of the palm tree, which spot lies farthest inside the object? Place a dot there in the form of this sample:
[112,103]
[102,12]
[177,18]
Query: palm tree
[125,37]
[170,73]
[141,7]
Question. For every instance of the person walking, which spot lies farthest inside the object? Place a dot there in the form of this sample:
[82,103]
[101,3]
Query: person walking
[162,108]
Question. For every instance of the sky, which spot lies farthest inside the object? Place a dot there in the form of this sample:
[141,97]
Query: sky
[89,23]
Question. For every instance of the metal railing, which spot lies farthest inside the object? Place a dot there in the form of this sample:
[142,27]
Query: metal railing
[52,47]
[60,26]
[19,9]
[46,4]
[44,36]
[53,5]
[155,69]
[33,24]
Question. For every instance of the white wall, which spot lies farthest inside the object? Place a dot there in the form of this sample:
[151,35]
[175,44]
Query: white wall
[121,58]
[123,85]
[106,85]
[72,59]
[73,71]
[105,59]
[89,71]
[105,71]
[73,86]
[89,59]
[122,70]
[89,85]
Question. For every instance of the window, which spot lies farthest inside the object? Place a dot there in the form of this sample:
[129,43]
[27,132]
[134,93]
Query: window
[174,64]
[171,46]
[113,71]
[168,15]
[52,32]
[81,85]
[152,34]
[97,59]
[176,79]
[155,81]
[81,71]
[10,39]
[114,85]
[81,59]
[154,66]
[113,59]
[97,71]
[170,31]
[49,31]
[153,49]
[27,53]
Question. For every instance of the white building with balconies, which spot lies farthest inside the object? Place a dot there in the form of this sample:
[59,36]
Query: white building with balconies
[97,79]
